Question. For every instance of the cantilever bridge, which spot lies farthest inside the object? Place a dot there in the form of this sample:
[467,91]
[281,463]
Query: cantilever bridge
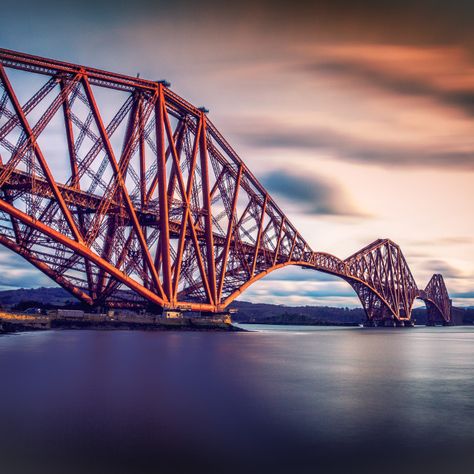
[127,195]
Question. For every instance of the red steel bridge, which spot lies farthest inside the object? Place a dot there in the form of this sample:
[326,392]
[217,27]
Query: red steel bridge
[126,195]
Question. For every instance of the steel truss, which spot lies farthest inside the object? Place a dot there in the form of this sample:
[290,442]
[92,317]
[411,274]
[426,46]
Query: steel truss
[437,300]
[127,195]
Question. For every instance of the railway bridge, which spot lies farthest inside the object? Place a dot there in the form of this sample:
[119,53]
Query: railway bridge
[127,195]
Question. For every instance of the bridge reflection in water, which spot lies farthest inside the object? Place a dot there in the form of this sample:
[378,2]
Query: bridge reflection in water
[127,195]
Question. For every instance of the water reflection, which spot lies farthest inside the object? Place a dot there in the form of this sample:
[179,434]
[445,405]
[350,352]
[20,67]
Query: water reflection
[283,400]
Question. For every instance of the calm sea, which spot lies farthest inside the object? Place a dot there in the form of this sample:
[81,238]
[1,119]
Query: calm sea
[277,400]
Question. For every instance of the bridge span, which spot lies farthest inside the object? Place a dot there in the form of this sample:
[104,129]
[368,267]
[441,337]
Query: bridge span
[127,195]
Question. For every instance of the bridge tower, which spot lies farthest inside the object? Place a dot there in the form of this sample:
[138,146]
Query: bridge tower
[438,303]
[385,285]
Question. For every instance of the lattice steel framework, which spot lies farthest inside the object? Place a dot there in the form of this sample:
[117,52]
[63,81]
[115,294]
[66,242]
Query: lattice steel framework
[389,288]
[125,194]
[437,300]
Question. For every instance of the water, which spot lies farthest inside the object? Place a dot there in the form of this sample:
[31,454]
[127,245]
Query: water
[281,399]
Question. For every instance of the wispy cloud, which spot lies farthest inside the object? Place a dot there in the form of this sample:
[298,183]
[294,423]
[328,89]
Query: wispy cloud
[314,194]
[15,272]
[443,267]
[395,82]
[293,293]
[268,135]
[465,294]
[444,241]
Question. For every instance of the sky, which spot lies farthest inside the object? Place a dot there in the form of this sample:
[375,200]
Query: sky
[357,116]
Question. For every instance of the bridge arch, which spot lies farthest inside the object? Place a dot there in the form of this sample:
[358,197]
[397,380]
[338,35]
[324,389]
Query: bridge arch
[379,309]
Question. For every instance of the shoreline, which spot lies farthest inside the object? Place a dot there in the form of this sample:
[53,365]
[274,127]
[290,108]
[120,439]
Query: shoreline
[21,323]
[283,323]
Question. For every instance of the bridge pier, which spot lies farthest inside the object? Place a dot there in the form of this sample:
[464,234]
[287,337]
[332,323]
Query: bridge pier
[406,323]
[432,323]
[379,323]
[176,315]
[223,317]
[388,323]
[169,313]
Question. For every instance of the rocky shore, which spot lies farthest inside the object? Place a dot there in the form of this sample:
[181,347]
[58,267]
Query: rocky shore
[11,323]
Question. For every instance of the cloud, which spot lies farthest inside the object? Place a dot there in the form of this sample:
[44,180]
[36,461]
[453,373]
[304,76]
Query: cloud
[297,274]
[457,240]
[294,293]
[443,241]
[426,21]
[314,194]
[465,294]
[443,267]
[461,99]
[268,134]
[15,272]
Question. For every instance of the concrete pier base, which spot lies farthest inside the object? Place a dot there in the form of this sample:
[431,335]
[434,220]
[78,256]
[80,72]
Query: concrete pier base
[171,314]
[388,323]
[219,318]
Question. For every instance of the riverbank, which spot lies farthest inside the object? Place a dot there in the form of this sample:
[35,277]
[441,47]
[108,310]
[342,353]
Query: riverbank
[304,323]
[11,323]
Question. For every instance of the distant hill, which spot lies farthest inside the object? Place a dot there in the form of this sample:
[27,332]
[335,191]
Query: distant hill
[44,296]
[246,312]
[268,313]
[272,313]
